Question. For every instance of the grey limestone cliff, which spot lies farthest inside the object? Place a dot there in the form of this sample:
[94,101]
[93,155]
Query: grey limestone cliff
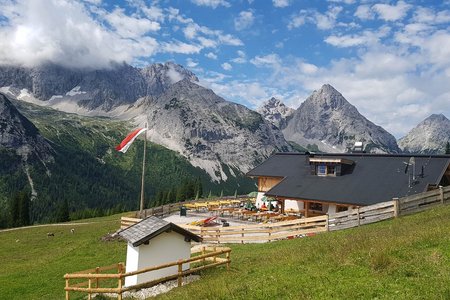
[219,136]
[429,137]
[276,112]
[19,134]
[328,120]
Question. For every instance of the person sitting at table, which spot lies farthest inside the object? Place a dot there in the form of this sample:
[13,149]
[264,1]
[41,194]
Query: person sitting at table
[263,206]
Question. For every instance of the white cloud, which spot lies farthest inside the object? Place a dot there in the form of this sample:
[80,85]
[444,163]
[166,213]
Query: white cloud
[190,63]
[365,38]
[430,16]
[364,12]
[281,3]
[173,75]
[180,47]
[211,3]
[307,68]
[297,20]
[130,27]
[269,60]
[323,21]
[211,55]
[226,66]
[392,12]
[244,20]
[241,59]
[65,33]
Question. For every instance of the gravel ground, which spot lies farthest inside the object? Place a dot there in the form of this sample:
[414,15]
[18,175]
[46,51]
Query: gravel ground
[155,290]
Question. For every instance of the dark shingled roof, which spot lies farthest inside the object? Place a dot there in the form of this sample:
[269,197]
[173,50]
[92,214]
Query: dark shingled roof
[151,227]
[374,178]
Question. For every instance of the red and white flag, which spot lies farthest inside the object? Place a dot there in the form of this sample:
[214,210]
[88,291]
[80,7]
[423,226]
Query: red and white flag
[126,143]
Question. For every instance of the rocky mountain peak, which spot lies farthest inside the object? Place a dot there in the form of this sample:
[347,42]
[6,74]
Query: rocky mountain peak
[19,134]
[276,112]
[328,97]
[326,119]
[429,136]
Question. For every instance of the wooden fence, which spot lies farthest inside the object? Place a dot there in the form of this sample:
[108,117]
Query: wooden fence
[307,226]
[420,202]
[260,232]
[361,216]
[96,281]
[168,209]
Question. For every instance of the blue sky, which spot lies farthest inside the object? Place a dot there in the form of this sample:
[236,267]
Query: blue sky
[391,59]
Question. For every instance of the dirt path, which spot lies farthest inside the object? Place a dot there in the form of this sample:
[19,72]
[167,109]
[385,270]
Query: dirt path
[51,225]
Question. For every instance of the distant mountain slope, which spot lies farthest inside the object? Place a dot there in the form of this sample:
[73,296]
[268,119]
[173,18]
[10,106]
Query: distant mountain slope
[92,89]
[276,112]
[221,137]
[328,120]
[430,136]
[19,134]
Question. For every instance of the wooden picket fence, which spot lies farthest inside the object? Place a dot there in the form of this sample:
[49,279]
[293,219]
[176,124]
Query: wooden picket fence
[309,226]
[99,281]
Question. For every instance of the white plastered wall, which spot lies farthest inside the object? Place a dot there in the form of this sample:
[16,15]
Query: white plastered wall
[165,248]
[293,205]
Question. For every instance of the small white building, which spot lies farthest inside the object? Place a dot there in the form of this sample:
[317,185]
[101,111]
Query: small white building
[154,242]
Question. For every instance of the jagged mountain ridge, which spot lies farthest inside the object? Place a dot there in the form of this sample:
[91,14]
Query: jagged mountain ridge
[429,136]
[103,89]
[328,120]
[276,112]
[209,130]
[19,134]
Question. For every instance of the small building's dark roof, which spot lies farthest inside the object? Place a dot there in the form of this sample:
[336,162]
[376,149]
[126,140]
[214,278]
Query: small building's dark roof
[373,178]
[151,227]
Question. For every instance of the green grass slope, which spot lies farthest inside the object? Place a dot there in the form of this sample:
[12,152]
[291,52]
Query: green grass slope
[405,258]
[90,174]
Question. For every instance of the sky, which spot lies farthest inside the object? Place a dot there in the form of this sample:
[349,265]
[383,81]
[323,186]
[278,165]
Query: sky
[391,59]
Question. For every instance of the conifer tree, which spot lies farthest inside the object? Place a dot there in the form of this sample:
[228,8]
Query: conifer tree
[447,148]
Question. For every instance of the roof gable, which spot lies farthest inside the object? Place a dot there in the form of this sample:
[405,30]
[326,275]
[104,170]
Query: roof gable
[151,227]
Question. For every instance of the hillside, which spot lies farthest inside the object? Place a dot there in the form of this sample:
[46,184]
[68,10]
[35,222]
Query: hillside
[405,258]
[89,174]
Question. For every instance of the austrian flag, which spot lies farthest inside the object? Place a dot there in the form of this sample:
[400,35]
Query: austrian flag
[126,143]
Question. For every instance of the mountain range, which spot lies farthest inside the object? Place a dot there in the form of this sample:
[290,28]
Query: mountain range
[219,139]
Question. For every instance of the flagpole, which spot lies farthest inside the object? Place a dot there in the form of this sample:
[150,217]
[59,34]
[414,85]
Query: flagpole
[141,208]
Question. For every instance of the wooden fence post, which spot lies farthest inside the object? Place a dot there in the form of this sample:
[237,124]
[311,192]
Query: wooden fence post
[96,279]
[396,207]
[441,194]
[203,253]
[67,292]
[328,222]
[180,272]
[270,231]
[359,220]
[228,260]
[120,281]
[242,241]
[89,289]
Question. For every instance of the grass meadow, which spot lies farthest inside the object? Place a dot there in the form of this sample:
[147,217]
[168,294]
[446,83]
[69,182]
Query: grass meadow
[404,258]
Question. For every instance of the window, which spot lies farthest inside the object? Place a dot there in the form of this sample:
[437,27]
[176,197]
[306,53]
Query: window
[331,169]
[315,206]
[341,208]
[326,170]
[322,169]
